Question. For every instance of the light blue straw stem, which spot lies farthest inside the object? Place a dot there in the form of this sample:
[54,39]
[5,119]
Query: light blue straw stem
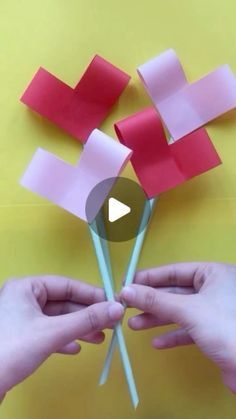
[129,278]
[118,328]
[100,227]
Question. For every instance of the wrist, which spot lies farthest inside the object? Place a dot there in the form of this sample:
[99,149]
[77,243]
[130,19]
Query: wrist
[7,377]
[228,367]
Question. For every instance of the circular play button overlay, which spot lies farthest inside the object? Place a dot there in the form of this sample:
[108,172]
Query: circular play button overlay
[121,216]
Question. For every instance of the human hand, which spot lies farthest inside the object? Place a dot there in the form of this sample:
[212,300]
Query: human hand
[46,314]
[200,298]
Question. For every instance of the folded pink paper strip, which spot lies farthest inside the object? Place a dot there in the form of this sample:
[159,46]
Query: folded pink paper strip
[160,166]
[81,109]
[185,107]
[69,186]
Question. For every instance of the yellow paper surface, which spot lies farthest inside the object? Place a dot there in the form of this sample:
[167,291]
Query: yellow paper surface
[193,222]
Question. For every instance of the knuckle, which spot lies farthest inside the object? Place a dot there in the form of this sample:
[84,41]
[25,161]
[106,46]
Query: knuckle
[177,340]
[39,291]
[204,272]
[94,294]
[141,277]
[145,277]
[69,291]
[97,295]
[149,300]
[172,278]
[148,278]
[93,319]
[91,293]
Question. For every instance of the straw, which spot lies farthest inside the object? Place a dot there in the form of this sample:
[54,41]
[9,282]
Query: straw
[107,283]
[132,266]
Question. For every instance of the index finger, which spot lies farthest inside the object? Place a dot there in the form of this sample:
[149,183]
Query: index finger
[60,288]
[174,275]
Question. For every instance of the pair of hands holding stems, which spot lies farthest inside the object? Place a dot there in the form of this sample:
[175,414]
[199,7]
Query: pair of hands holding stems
[43,315]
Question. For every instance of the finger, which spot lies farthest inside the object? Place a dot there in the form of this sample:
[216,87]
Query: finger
[68,327]
[173,290]
[56,308]
[178,290]
[172,339]
[175,275]
[71,348]
[147,321]
[96,338]
[60,288]
[174,307]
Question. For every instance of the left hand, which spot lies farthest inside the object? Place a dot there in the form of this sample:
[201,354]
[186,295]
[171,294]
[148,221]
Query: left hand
[47,314]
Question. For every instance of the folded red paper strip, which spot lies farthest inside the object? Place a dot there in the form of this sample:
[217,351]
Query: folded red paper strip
[160,166]
[81,109]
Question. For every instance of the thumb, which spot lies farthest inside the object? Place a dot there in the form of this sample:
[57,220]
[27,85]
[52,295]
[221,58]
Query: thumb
[66,328]
[174,308]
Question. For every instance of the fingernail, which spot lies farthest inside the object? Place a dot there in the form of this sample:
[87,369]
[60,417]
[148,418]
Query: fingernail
[115,311]
[128,294]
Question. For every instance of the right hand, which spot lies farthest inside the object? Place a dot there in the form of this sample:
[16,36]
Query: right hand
[200,298]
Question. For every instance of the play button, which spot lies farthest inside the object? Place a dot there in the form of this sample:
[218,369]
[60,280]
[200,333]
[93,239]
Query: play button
[117,210]
[121,214]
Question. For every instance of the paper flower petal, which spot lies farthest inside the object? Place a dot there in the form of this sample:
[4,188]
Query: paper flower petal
[81,109]
[160,166]
[185,107]
[69,186]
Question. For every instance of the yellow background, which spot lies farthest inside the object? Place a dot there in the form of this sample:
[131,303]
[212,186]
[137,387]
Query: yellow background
[193,222]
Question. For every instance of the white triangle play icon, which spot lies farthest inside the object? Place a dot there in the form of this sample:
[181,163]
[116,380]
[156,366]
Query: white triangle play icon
[117,210]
